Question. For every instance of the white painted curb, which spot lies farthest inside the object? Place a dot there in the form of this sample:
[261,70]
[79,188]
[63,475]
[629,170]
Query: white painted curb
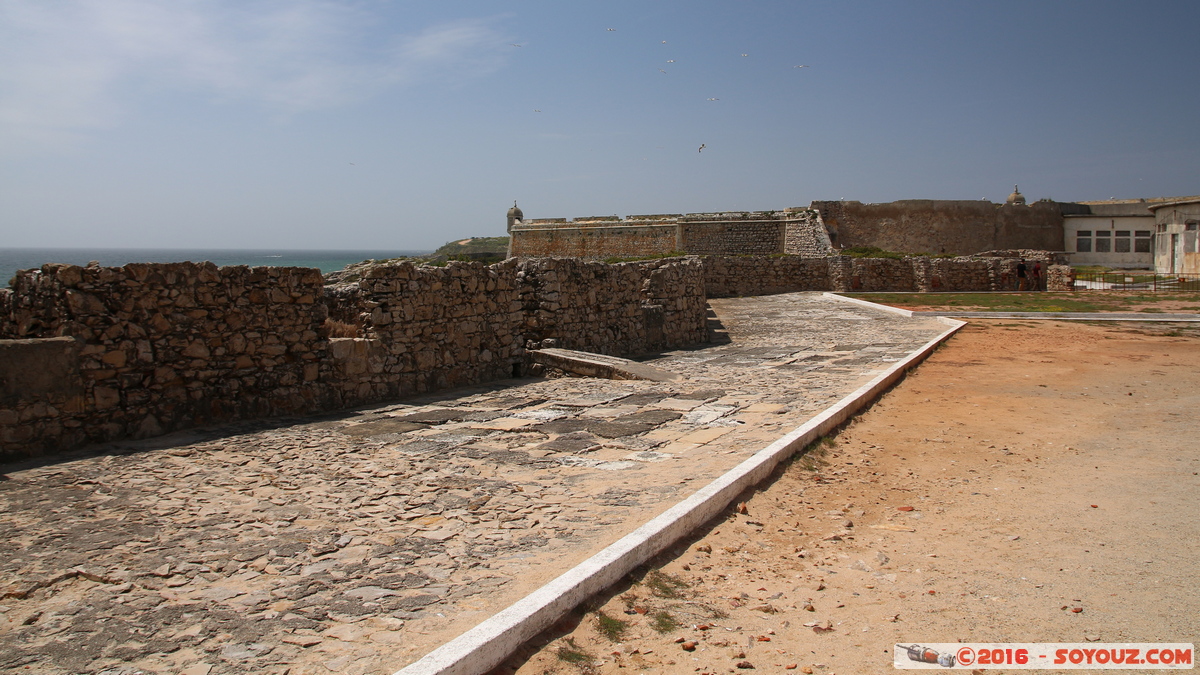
[865,303]
[487,645]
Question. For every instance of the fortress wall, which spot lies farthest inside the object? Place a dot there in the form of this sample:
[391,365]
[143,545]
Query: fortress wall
[766,275]
[627,308]
[805,235]
[615,239]
[429,328]
[943,226]
[730,277]
[94,354]
[733,238]
[164,346]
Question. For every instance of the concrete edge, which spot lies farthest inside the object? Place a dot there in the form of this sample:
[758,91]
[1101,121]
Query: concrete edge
[908,313]
[491,642]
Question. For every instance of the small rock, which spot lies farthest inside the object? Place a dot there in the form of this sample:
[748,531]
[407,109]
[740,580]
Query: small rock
[704,548]
[301,640]
[1092,638]
[745,665]
[741,508]
[688,645]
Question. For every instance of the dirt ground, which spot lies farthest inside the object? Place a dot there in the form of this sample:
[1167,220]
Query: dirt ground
[1030,482]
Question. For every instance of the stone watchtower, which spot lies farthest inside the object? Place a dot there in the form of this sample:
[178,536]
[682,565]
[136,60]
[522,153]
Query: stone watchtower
[1015,199]
[515,216]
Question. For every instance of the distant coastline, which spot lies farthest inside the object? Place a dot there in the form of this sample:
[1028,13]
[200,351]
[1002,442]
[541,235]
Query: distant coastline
[14,259]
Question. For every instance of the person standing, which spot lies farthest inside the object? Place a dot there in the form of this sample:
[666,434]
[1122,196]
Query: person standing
[1022,276]
[1036,279]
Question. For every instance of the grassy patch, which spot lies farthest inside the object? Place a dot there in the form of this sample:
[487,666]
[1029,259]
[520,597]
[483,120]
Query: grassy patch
[812,458]
[663,622]
[613,629]
[1078,301]
[571,653]
[664,585]
[873,252]
[658,256]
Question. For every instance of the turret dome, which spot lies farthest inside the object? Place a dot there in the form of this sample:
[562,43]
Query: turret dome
[1015,198]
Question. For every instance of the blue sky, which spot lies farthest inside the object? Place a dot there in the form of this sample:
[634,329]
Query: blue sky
[402,125]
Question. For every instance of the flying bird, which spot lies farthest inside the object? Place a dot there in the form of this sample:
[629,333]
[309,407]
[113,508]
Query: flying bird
[664,42]
[714,99]
[513,44]
[745,55]
[670,60]
[662,71]
[536,110]
[612,29]
[702,147]
[799,66]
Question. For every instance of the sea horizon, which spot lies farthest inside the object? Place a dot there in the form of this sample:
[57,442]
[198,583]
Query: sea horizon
[326,260]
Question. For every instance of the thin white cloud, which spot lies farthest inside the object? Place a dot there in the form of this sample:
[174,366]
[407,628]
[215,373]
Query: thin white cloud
[68,66]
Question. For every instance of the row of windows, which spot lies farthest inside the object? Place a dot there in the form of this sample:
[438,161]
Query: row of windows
[1118,241]
[1190,225]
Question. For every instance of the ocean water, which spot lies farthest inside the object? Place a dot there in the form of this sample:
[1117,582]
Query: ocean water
[13,259]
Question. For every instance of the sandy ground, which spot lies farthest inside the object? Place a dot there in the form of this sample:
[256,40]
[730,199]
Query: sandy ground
[1030,482]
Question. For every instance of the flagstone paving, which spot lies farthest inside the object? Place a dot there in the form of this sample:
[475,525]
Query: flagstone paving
[357,542]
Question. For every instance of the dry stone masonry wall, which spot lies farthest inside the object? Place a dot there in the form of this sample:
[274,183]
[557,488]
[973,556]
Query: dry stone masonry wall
[145,349]
[753,275]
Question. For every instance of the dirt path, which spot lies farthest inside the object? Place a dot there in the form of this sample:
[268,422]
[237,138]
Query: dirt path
[1031,482]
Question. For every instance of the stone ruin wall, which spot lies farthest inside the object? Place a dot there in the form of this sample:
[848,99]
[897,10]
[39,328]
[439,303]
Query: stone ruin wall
[145,349]
[753,275]
[160,347]
[594,307]
[943,226]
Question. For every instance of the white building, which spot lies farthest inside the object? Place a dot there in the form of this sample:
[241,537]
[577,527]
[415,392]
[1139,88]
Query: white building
[1177,236]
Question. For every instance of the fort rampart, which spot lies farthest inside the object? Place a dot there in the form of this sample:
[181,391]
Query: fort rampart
[936,226]
[93,354]
[793,231]
[914,226]
[729,276]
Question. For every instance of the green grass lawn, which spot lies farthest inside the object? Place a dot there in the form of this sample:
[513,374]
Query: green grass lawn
[1085,301]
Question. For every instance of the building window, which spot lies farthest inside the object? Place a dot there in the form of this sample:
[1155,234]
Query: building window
[1191,226]
[1121,243]
[1083,241]
[1161,227]
[1141,241]
[1103,241]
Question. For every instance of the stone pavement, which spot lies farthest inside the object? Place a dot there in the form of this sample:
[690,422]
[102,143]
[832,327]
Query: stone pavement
[357,542]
